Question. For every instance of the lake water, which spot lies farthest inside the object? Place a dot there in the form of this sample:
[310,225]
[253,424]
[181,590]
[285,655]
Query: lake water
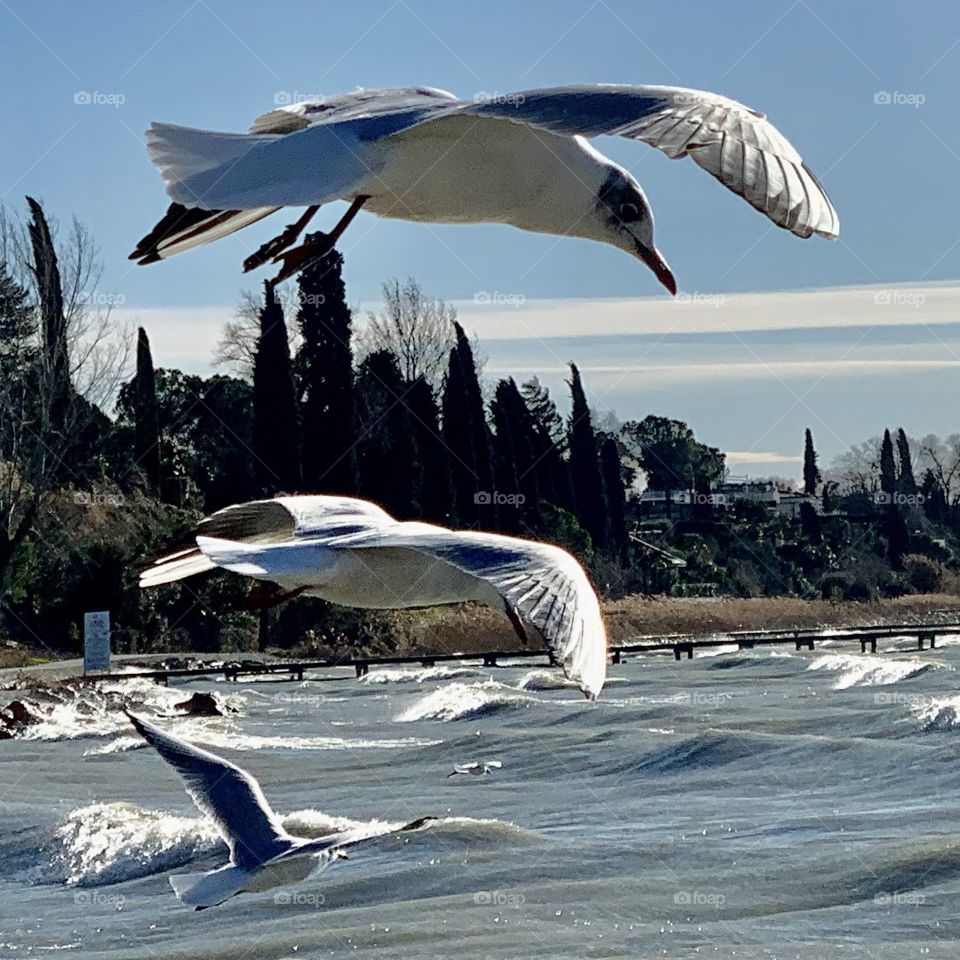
[747,804]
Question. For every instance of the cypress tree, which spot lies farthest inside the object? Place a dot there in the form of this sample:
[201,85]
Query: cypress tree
[435,494]
[908,483]
[467,437]
[888,468]
[616,497]
[326,364]
[53,321]
[275,422]
[811,472]
[549,444]
[585,465]
[514,459]
[387,464]
[146,430]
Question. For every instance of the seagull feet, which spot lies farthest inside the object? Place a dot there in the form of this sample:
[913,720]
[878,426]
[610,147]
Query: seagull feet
[295,260]
[263,595]
[271,248]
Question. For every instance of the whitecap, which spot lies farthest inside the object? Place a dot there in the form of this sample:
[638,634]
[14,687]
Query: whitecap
[869,670]
[461,701]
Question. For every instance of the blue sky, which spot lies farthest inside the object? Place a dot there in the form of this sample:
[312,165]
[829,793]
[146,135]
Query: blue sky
[815,67]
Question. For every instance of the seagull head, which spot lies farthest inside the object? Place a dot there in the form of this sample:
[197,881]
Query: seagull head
[626,221]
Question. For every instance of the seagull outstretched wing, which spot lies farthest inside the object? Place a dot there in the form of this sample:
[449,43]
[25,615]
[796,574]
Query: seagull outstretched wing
[733,142]
[290,539]
[230,796]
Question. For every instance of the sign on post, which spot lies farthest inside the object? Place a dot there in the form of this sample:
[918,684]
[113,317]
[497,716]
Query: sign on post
[96,641]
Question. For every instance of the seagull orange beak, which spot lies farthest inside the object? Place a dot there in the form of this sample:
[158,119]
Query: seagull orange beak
[652,258]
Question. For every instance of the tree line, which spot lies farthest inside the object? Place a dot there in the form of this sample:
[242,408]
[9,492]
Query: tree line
[100,469]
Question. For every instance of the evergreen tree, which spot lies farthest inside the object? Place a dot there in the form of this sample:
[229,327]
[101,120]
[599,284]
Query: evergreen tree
[514,462]
[467,437]
[326,367]
[898,538]
[53,321]
[549,445]
[585,465]
[908,483]
[146,430]
[615,496]
[387,464]
[811,472]
[888,468]
[435,494]
[275,421]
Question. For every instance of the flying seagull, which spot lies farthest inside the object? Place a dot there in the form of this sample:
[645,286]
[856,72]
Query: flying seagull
[262,854]
[351,552]
[423,154]
[476,769]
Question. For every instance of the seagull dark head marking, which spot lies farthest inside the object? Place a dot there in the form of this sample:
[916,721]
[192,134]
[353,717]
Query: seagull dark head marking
[627,222]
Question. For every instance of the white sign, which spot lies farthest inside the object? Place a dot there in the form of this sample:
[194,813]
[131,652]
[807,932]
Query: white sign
[96,641]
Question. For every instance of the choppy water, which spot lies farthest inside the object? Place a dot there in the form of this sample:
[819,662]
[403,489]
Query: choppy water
[746,804]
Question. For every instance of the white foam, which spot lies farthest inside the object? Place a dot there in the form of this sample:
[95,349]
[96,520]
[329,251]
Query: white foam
[870,670]
[422,675]
[461,701]
[110,842]
[545,680]
[938,713]
[106,843]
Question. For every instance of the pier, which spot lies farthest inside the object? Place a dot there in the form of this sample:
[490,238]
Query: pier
[682,646]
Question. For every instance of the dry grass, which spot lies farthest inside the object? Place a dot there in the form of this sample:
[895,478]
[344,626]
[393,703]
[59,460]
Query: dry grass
[635,616]
[451,629]
[13,657]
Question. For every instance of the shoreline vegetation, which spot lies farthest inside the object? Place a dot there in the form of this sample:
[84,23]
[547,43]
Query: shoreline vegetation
[478,629]
[101,470]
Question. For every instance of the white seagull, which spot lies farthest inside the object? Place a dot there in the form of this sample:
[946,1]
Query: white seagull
[476,769]
[520,159]
[351,552]
[262,854]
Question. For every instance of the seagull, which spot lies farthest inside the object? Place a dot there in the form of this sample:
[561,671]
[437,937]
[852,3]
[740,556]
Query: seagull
[424,155]
[476,769]
[262,854]
[353,553]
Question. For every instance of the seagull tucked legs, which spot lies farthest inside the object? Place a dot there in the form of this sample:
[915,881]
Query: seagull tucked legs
[315,246]
[271,248]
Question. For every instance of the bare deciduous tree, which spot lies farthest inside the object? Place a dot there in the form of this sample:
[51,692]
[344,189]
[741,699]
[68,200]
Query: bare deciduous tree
[59,354]
[415,328]
[237,348]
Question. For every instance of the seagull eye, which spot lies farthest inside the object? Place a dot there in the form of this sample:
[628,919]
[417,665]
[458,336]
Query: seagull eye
[629,212]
